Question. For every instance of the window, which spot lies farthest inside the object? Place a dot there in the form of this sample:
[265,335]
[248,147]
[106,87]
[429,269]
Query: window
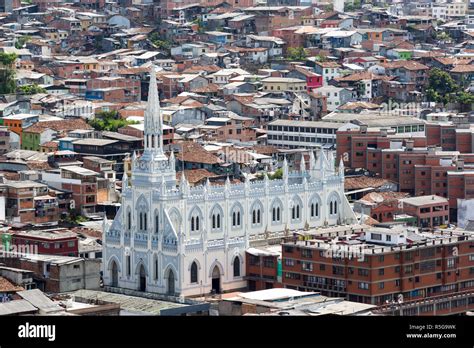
[254,260]
[236,217]
[129,220]
[314,210]
[236,266]
[194,273]
[289,262]
[295,212]
[322,267]
[375,236]
[268,262]
[381,271]
[307,266]
[363,286]
[276,214]
[155,269]
[256,216]
[69,244]
[363,272]
[157,223]
[450,263]
[333,206]
[128,265]
[381,285]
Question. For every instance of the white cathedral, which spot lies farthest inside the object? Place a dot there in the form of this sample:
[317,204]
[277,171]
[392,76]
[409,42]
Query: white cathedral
[170,238]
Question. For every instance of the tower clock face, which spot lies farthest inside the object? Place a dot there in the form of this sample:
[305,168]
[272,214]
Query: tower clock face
[142,165]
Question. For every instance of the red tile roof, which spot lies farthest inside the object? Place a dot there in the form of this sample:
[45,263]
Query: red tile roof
[193,152]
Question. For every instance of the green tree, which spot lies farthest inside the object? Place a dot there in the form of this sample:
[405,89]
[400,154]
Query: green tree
[30,89]
[296,53]
[158,42]
[22,40]
[109,121]
[443,36]
[278,174]
[465,100]
[7,74]
[441,87]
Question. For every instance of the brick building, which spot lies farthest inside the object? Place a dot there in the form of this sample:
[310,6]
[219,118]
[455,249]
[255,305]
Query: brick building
[55,274]
[378,264]
[49,242]
[430,211]
[263,267]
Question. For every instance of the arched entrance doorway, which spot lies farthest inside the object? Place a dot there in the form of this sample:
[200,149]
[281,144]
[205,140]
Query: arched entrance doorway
[142,278]
[216,280]
[114,274]
[171,283]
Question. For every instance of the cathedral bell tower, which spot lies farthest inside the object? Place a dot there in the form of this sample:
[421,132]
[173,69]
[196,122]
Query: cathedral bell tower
[153,167]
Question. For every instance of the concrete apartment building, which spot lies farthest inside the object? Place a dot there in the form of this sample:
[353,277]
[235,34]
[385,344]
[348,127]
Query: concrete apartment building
[29,202]
[283,84]
[297,134]
[373,265]
[55,274]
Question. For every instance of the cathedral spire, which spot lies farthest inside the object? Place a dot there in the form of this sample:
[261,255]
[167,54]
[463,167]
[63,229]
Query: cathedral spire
[153,122]
[124,181]
[285,169]
[302,164]
[341,168]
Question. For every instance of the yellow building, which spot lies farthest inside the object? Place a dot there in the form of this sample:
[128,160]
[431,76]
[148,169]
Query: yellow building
[283,84]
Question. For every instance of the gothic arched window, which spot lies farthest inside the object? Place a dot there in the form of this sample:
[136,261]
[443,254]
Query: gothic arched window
[276,211]
[236,266]
[157,223]
[195,220]
[155,268]
[334,202]
[296,209]
[194,273]
[236,216]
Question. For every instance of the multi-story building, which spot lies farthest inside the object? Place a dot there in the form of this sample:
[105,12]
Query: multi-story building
[51,242]
[375,265]
[430,211]
[180,240]
[283,84]
[296,134]
[29,202]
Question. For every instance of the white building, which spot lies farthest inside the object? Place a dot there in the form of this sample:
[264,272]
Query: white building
[183,240]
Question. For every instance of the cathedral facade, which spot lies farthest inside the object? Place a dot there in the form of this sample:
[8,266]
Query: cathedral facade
[170,238]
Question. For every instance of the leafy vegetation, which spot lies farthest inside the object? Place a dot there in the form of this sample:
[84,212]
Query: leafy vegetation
[30,89]
[158,42]
[22,40]
[278,174]
[296,53]
[443,89]
[355,5]
[443,36]
[7,74]
[109,121]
